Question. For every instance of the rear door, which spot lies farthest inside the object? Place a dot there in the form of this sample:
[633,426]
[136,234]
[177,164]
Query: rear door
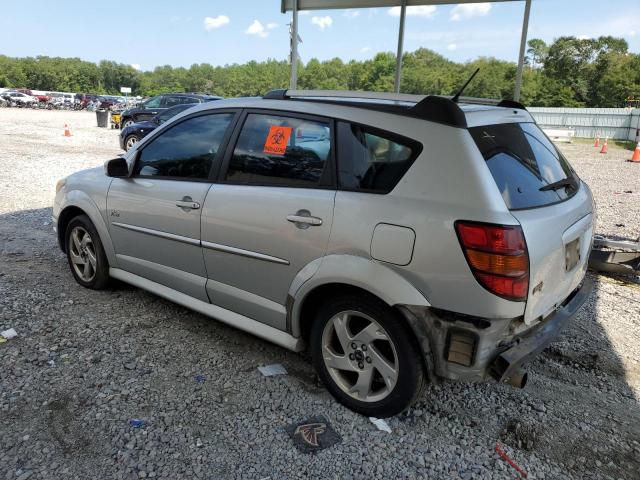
[271,212]
[154,216]
[553,206]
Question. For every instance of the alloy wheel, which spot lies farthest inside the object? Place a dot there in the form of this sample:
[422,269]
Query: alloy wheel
[83,254]
[360,356]
[131,141]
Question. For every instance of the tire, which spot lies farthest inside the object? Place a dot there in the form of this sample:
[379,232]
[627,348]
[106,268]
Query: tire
[130,141]
[384,343]
[89,265]
[126,123]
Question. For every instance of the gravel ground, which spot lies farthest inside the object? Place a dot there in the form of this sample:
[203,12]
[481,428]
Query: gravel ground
[87,362]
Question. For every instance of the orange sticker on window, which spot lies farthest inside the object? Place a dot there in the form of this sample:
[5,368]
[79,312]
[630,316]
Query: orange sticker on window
[277,140]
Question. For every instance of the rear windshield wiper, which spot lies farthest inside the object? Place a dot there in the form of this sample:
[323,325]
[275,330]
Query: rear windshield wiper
[565,182]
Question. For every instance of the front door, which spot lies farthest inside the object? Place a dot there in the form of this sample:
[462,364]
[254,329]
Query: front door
[270,215]
[154,216]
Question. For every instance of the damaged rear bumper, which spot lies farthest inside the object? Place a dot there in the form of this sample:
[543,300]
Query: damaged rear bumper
[538,338]
[462,347]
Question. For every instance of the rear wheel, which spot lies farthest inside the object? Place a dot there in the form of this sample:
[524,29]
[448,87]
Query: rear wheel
[130,141]
[366,356]
[126,123]
[85,254]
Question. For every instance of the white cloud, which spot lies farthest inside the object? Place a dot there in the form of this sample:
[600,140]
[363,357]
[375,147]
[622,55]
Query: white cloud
[272,25]
[469,10]
[256,28]
[211,23]
[135,66]
[351,13]
[452,46]
[322,22]
[365,49]
[303,12]
[583,37]
[633,33]
[425,11]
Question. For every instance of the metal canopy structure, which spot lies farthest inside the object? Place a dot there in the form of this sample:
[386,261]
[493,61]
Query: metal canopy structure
[296,6]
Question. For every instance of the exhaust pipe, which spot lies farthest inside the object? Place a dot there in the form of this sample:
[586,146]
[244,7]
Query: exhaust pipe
[518,379]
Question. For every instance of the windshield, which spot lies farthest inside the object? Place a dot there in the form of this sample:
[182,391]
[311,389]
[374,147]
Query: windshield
[522,161]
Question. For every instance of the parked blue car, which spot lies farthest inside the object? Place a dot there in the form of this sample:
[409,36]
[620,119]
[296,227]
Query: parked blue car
[135,132]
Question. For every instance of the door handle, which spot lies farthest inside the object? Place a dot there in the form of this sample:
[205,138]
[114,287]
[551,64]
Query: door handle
[303,219]
[187,203]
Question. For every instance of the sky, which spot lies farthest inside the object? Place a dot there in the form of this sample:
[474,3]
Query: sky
[149,33]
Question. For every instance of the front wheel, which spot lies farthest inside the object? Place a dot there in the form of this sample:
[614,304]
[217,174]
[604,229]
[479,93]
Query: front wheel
[130,141]
[85,253]
[366,356]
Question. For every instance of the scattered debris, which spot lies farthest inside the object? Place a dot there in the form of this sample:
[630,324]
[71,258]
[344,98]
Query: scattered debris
[271,370]
[200,379]
[500,451]
[136,423]
[313,434]
[380,424]
[199,443]
[9,334]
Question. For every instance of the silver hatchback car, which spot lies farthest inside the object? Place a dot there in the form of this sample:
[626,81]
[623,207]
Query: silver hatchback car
[397,238]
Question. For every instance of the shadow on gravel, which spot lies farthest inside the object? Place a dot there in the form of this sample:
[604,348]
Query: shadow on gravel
[87,360]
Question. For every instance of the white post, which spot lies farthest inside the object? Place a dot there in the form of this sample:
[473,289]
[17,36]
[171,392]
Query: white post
[523,45]
[403,11]
[294,47]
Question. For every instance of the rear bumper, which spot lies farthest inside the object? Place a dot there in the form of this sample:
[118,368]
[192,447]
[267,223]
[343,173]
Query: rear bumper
[538,338]
[460,347]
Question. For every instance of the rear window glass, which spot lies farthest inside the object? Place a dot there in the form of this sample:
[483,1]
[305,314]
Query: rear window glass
[523,161]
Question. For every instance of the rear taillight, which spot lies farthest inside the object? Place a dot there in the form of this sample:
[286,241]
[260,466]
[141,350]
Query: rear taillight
[497,255]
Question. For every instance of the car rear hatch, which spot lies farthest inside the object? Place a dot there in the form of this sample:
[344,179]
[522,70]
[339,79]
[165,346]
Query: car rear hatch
[552,205]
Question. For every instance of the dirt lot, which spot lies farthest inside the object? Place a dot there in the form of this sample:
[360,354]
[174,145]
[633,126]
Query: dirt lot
[85,363]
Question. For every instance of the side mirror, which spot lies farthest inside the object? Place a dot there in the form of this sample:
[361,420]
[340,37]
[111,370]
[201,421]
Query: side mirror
[117,167]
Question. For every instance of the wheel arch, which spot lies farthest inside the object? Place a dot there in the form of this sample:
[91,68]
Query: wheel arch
[79,203]
[334,274]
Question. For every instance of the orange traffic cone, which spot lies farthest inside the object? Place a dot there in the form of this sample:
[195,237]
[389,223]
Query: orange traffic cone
[597,144]
[636,154]
[67,130]
[605,145]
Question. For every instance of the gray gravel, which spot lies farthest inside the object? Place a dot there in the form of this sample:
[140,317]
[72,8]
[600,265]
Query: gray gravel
[87,362]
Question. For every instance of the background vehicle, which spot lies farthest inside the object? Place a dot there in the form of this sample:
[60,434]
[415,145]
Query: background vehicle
[151,107]
[400,240]
[135,132]
[19,99]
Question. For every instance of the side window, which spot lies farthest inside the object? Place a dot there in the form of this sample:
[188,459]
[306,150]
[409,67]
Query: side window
[186,150]
[153,102]
[172,101]
[371,160]
[285,151]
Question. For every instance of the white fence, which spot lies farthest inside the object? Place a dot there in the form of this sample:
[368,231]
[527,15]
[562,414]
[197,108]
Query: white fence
[617,123]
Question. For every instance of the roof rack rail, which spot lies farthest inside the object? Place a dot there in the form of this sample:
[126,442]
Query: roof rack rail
[434,108]
[284,94]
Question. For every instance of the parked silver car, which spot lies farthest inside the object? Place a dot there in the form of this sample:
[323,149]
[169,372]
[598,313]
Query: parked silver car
[398,238]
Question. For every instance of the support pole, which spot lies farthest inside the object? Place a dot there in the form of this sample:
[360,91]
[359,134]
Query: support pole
[293,84]
[403,11]
[523,45]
